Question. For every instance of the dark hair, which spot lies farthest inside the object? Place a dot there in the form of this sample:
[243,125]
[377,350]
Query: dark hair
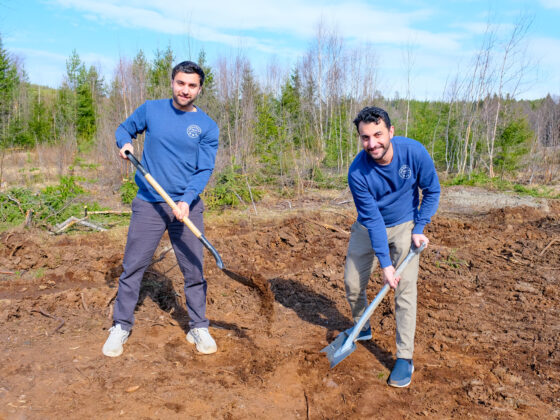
[188,67]
[372,114]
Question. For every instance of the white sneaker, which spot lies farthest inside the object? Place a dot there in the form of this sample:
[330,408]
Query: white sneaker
[203,340]
[113,347]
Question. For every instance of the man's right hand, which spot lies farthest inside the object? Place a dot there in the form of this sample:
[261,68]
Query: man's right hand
[389,276]
[127,146]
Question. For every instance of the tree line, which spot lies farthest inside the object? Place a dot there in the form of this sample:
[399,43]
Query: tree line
[293,127]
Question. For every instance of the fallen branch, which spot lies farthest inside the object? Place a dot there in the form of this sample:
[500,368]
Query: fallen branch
[109,212]
[66,224]
[28,217]
[6,272]
[548,246]
[333,228]
[91,225]
[73,220]
[15,200]
[84,302]
[62,322]
[113,296]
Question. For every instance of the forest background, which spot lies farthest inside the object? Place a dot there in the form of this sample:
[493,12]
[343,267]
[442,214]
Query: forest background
[284,131]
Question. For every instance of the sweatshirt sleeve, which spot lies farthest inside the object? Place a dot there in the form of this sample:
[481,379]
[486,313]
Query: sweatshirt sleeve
[429,184]
[370,216]
[208,148]
[131,127]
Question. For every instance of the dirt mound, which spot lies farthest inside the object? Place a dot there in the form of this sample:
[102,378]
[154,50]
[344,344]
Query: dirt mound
[515,215]
[487,341]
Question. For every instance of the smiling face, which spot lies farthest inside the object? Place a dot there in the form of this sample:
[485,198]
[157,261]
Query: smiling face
[376,141]
[186,87]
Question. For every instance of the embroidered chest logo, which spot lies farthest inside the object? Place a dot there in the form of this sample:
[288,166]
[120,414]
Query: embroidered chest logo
[405,172]
[193,131]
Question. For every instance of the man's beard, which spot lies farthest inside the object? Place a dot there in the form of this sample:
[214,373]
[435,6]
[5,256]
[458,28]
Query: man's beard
[179,101]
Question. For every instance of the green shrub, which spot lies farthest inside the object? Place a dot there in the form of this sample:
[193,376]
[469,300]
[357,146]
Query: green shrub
[51,205]
[231,189]
[128,191]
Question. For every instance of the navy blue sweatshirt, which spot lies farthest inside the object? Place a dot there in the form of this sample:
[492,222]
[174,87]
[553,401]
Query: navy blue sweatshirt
[179,149]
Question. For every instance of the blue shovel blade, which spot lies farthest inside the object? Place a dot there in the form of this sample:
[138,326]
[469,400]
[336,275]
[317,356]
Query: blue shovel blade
[339,349]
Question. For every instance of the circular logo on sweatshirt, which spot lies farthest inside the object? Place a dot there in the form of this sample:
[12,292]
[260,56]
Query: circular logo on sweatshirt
[193,131]
[405,172]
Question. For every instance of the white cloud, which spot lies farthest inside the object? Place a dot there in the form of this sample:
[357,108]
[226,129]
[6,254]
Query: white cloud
[249,22]
[550,4]
[285,29]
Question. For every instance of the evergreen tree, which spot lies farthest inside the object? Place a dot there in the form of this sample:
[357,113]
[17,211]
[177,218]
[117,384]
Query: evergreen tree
[74,70]
[159,74]
[85,122]
[140,70]
[208,99]
[9,83]
[513,144]
[40,123]
[64,113]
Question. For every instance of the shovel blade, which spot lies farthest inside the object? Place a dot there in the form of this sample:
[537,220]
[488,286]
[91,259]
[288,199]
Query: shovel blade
[339,349]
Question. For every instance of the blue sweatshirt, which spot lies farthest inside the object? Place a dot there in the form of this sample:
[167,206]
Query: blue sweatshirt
[179,149]
[388,195]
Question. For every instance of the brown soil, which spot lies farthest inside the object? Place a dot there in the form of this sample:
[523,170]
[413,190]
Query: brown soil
[487,342]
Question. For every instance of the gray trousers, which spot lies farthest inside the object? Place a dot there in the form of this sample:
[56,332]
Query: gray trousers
[147,225]
[360,263]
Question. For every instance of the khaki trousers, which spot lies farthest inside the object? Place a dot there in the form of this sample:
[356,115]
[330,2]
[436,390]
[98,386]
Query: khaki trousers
[360,263]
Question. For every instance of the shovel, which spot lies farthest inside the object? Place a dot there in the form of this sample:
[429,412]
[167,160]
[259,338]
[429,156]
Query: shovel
[172,204]
[345,344]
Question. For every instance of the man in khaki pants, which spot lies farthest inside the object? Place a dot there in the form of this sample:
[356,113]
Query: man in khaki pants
[385,179]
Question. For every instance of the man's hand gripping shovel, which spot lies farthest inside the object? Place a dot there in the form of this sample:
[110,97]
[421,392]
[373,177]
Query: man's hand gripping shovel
[345,344]
[172,204]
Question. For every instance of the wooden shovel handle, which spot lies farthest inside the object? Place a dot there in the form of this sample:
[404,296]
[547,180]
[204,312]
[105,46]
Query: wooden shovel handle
[172,204]
[162,192]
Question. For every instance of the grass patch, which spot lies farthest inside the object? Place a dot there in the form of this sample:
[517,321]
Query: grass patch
[500,184]
[451,261]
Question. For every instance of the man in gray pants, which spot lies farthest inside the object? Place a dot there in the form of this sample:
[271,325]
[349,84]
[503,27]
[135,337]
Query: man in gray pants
[385,179]
[179,152]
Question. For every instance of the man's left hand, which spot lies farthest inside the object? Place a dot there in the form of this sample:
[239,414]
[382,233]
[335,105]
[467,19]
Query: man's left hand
[418,238]
[182,210]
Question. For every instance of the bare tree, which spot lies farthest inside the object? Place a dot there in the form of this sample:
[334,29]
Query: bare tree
[409,60]
[510,74]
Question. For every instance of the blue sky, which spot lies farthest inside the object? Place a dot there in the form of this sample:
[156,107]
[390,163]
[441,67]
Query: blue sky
[442,36]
